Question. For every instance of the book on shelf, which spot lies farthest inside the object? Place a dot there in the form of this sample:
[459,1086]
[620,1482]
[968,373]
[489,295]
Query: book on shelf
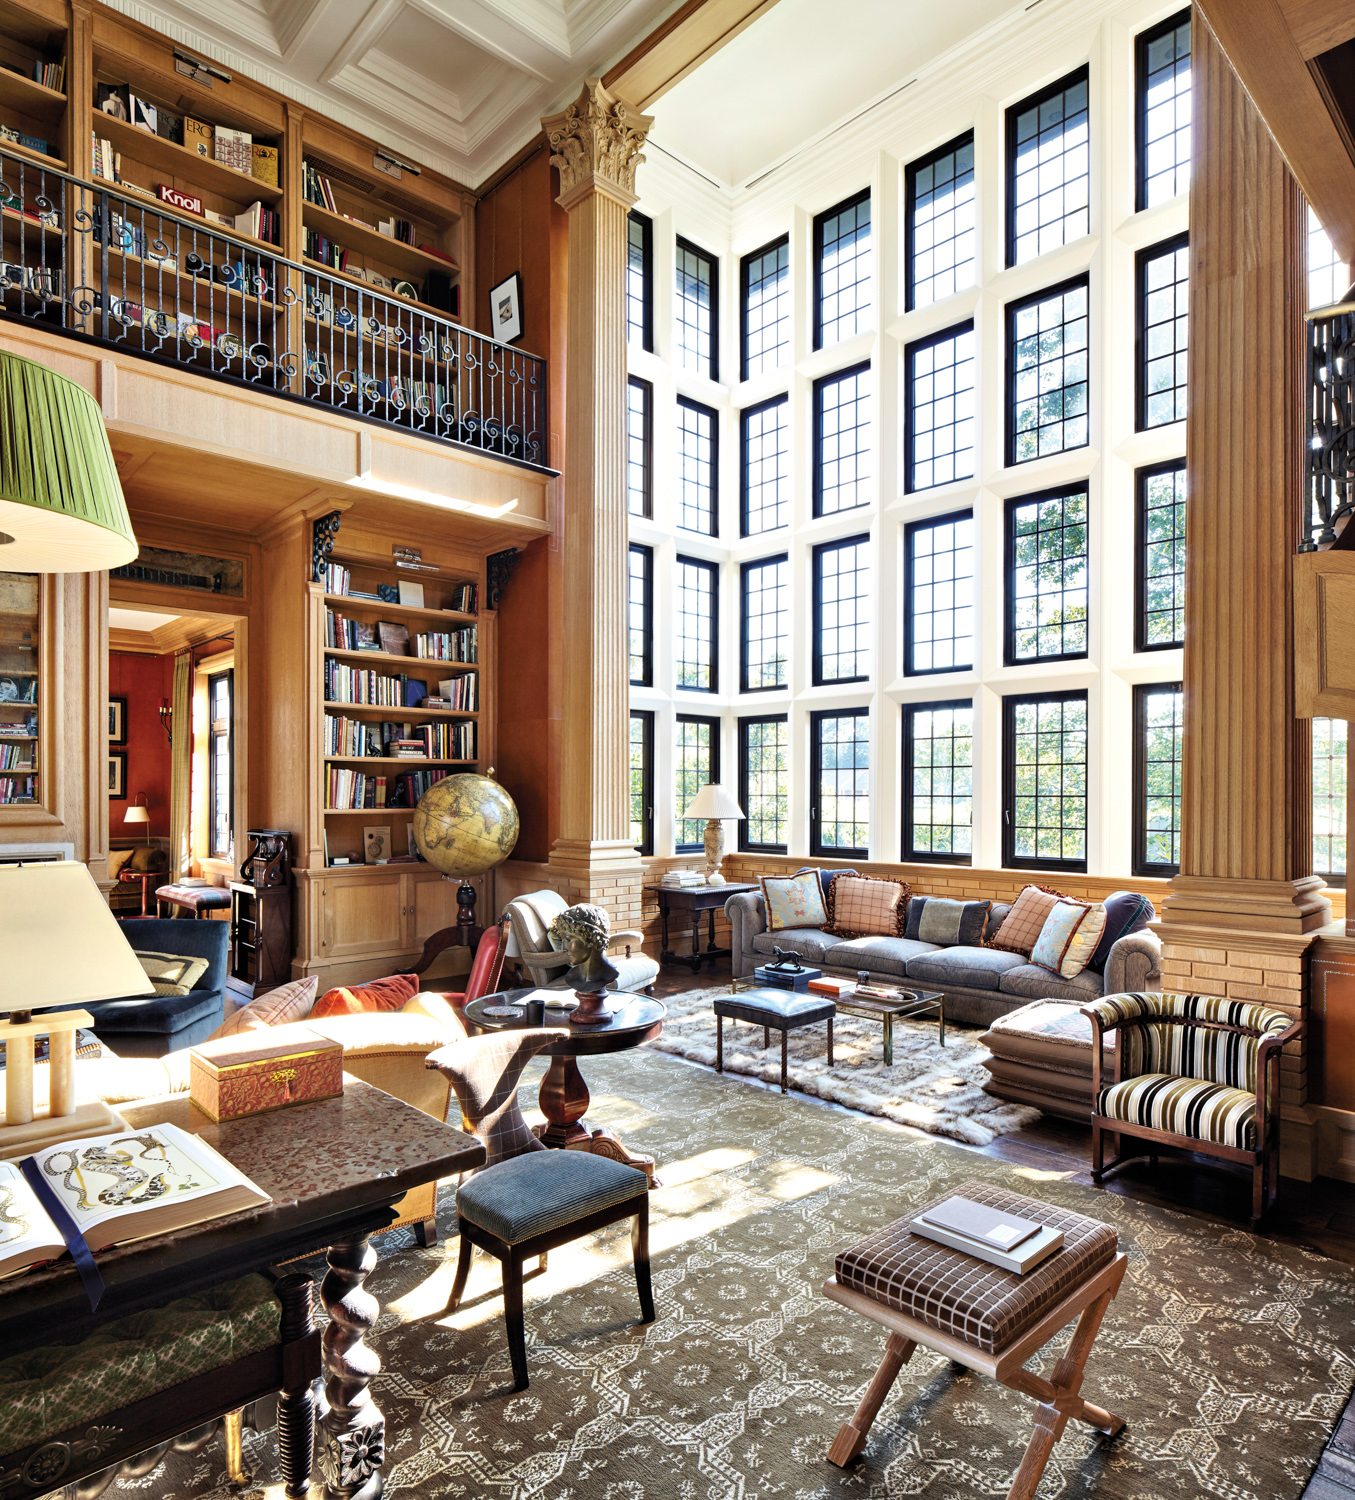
[448,645]
[197,136]
[127,1185]
[336,578]
[316,189]
[263,163]
[439,254]
[233,148]
[169,126]
[394,637]
[49,75]
[145,115]
[33,142]
[463,599]
[1002,1239]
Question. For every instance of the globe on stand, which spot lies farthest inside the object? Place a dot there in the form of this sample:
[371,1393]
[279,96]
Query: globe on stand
[464,825]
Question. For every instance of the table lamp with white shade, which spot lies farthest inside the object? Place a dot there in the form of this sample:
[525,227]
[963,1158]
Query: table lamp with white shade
[716,805]
[62,946]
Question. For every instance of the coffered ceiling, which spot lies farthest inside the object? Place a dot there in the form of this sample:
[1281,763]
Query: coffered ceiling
[456,84]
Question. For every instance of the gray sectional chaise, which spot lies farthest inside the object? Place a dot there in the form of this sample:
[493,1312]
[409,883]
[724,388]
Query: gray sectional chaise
[980,984]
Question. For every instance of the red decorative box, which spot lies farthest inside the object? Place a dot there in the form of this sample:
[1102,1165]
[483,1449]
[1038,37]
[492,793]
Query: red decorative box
[258,1071]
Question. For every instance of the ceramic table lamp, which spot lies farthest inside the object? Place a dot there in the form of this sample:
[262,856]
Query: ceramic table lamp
[62,947]
[716,805]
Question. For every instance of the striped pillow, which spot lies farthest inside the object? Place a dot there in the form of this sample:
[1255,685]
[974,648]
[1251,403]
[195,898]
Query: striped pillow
[949,924]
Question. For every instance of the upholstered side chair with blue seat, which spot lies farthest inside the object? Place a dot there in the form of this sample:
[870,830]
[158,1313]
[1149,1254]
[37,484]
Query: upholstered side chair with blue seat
[530,947]
[528,1199]
[153,1025]
[1194,1072]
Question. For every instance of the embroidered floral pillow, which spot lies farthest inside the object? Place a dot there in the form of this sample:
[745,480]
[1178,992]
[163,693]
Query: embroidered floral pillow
[793,901]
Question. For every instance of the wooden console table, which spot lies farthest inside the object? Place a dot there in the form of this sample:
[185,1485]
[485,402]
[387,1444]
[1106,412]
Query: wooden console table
[695,899]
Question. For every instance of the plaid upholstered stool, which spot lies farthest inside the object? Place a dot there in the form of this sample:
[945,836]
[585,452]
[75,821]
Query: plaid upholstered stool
[981,1316]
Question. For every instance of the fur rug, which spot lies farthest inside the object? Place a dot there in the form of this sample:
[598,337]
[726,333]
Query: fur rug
[930,1087]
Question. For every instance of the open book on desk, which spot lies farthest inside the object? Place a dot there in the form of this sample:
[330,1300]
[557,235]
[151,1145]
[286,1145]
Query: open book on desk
[125,1186]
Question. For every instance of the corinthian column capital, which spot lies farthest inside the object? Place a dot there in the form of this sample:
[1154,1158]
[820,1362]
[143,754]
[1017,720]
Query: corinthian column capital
[596,144]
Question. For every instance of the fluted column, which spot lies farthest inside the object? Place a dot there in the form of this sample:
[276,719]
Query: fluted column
[1239,914]
[595,145]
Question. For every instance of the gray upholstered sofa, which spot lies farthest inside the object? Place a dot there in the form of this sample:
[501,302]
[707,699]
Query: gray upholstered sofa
[980,984]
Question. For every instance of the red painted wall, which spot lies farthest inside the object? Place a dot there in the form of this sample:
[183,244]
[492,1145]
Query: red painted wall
[144,681]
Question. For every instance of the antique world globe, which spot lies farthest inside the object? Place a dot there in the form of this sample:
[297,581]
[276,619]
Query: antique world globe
[465,825]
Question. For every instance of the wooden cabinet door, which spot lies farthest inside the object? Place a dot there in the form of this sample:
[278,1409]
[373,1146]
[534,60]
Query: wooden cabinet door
[432,906]
[362,915]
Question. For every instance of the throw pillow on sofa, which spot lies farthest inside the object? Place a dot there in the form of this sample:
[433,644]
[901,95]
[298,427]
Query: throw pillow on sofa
[279,1007]
[172,973]
[948,924]
[1126,912]
[1084,942]
[866,906]
[792,901]
[1060,927]
[1021,930]
[379,994]
[118,859]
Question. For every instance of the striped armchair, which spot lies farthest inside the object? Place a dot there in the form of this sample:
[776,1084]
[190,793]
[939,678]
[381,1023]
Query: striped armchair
[1195,1072]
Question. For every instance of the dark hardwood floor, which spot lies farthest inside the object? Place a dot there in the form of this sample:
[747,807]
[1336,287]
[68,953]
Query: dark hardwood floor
[1317,1215]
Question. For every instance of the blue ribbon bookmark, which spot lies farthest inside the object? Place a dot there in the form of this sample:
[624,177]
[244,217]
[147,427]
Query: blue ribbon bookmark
[69,1229]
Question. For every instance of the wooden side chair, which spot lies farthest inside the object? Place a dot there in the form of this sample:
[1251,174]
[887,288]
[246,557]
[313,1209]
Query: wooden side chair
[527,1199]
[1194,1072]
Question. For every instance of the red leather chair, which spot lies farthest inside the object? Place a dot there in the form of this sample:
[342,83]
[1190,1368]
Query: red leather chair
[485,972]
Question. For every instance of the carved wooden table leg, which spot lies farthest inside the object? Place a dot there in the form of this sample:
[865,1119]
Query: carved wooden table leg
[296,1402]
[564,1100]
[353,1431]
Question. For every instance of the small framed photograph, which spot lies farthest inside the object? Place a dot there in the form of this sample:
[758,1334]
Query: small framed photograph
[411,594]
[376,844]
[117,721]
[18,689]
[117,775]
[505,310]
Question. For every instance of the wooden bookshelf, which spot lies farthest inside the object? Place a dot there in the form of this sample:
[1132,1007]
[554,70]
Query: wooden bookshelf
[373,245]
[30,97]
[21,696]
[201,174]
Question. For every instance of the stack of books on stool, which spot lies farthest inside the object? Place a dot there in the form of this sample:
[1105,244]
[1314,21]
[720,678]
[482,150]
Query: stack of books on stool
[786,979]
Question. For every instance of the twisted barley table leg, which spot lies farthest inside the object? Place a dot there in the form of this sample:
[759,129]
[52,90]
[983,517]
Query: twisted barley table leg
[353,1431]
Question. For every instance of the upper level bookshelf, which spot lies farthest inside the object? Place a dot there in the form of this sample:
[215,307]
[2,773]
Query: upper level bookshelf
[19,688]
[34,72]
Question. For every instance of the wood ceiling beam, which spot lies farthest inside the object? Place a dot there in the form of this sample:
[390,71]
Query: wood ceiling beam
[1257,41]
[694,32]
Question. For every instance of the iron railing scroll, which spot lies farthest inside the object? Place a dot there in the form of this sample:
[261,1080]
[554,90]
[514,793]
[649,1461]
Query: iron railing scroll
[95,261]
[1331,424]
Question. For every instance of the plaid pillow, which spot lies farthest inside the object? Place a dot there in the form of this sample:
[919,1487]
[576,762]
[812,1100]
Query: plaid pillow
[283,1006]
[865,906]
[1021,930]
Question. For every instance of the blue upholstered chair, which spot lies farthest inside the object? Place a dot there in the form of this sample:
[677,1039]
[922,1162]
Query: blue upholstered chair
[527,1199]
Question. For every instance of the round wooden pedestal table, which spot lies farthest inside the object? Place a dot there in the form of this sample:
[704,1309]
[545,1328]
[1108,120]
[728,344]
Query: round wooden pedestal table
[564,1094]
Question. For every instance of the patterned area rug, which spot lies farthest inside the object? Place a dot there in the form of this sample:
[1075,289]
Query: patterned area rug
[1229,1355]
[932,1088]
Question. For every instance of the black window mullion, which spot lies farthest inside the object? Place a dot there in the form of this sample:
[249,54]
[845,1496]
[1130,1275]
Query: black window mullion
[1029,355]
[698,348]
[755,734]
[699,473]
[939,407]
[642,779]
[948,167]
[825,734]
[942,601]
[835,479]
[639,447]
[1158,724]
[1149,72]
[851,640]
[640,279]
[762,621]
[770,263]
[641,604]
[1160,547]
[843,224]
[705,751]
[764,483]
[1068,101]
[1030,740]
[951,722]
[1054,527]
[1160,333]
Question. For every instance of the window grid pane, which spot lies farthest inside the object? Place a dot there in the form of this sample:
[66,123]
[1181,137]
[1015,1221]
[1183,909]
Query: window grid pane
[941,409]
[696,762]
[765,467]
[766,624]
[1164,112]
[766,310]
[842,611]
[842,240]
[1164,322]
[941,243]
[1329,798]
[639,463]
[642,780]
[938,796]
[1162,559]
[639,322]
[1047,577]
[841,811]
[764,782]
[696,468]
[641,612]
[842,441]
[1047,779]
[1048,172]
[1047,357]
[1160,721]
[695,310]
[1328,278]
[696,632]
[940,594]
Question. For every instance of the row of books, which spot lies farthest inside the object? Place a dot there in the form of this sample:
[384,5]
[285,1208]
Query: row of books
[51,75]
[441,741]
[316,188]
[257,220]
[387,636]
[43,280]
[320,248]
[33,142]
[15,789]
[347,790]
[232,148]
[16,757]
[462,692]
[345,684]
[448,645]
[464,599]
[358,739]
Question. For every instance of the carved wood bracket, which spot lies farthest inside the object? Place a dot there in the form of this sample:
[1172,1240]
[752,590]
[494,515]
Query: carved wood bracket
[324,532]
[498,570]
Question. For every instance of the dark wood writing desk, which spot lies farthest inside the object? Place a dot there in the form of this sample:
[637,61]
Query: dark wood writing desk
[333,1170]
[693,900]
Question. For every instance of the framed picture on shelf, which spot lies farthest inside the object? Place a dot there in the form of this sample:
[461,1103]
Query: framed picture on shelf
[505,310]
[411,594]
[376,844]
[18,689]
[117,721]
[117,775]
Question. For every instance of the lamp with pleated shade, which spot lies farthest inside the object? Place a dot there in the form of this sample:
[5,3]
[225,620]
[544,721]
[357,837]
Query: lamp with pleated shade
[61,504]
[715,804]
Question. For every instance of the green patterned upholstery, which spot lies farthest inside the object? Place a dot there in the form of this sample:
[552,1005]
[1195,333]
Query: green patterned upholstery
[53,1387]
[1189,1047]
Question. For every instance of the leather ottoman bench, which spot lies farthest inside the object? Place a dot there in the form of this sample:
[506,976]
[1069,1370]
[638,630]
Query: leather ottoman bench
[773,1010]
[990,1320]
[1042,1055]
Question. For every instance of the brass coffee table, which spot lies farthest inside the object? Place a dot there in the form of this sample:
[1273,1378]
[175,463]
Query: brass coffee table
[905,1004]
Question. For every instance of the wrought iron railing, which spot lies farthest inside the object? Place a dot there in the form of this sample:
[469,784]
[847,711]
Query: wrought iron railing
[97,262]
[1331,424]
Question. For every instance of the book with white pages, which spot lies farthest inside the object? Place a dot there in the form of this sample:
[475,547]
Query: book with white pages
[127,1185]
[1002,1239]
